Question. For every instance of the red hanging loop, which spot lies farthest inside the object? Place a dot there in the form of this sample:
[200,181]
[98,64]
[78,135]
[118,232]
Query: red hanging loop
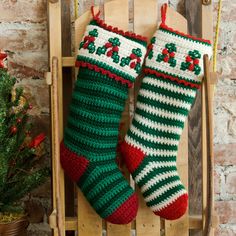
[163,13]
[97,15]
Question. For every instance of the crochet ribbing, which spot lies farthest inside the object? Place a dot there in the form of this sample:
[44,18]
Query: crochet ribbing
[109,61]
[173,70]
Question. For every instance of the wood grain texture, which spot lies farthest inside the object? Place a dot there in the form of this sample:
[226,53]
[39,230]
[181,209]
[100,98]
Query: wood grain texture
[55,50]
[67,92]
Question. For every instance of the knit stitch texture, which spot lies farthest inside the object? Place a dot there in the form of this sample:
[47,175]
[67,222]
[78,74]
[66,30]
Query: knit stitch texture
[173,68]
[109,61]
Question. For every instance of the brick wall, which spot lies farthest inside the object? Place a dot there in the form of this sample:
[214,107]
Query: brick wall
[23,33]
[225,123]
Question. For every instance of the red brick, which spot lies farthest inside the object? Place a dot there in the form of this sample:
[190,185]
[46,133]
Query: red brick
[217,182]
[231,183]
[226,211]
[225,232]
[225,154]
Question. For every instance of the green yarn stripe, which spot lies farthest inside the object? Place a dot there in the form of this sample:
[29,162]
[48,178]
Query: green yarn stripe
[92,129]
[160,184]
[166,92]
[173,83]
[94,173]
[161,105]
[159,119]
[117,200]
[151,144]
[164,196]
[91,153]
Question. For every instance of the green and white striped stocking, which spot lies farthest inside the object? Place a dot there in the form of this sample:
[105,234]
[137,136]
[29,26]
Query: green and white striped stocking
[173,71]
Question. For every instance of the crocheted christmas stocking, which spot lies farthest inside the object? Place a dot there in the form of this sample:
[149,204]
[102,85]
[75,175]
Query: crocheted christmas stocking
[173,70]
[109,61]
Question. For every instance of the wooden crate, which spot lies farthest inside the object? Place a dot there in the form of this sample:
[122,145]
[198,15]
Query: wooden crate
[87,222]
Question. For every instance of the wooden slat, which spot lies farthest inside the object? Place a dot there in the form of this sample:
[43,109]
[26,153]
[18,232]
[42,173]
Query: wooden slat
[195,222]
[145,17]
[146,222]
[55,51]
[180,226]
[207,33]
[67,93]
[68,61]
[116,13]
[89,223]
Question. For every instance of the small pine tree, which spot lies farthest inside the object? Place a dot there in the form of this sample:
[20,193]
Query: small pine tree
[18,152]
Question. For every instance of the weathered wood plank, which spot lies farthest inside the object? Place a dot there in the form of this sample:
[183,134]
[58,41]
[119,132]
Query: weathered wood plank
[67,92]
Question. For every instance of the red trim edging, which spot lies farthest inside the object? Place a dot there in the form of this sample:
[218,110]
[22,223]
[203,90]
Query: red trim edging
[175,79]
[103,71]
[164,26]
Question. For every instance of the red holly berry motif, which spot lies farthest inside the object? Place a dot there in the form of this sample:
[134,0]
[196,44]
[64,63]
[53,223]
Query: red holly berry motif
[192,62]
[168,54]
[134,60]
[88,42]
[111,48]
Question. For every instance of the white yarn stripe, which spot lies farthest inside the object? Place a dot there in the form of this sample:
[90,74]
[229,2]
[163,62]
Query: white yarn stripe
[162,190]
[150,151]
[158,178]
[171,87]
[147,169]
[164,99]
[161,112]
[158,126]
[168,201]
[152,138]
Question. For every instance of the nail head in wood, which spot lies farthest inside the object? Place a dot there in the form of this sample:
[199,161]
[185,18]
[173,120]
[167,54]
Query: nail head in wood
[206,2]
[53,1]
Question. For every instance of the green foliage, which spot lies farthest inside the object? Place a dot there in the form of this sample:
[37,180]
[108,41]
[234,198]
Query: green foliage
[18,160]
